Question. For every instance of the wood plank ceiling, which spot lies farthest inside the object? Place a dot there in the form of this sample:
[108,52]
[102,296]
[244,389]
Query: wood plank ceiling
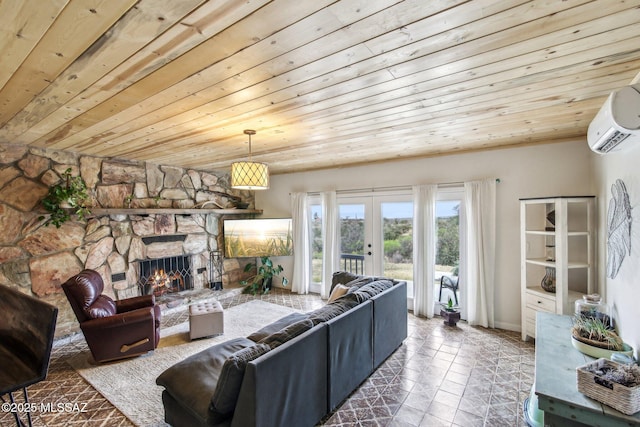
[324,83]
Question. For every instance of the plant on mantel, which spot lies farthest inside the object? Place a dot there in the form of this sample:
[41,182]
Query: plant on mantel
[66,198]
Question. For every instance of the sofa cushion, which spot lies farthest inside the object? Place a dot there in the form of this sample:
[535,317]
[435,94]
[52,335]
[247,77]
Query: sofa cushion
[343,278]
[369,290]
[360,282]
[277,326]
[102,307]
[288,333]
[193,381]
[374,288]
[356,296]
[228,388]
[331,310]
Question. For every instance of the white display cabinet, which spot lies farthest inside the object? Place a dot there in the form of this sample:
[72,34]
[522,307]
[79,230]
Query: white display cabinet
[557,250]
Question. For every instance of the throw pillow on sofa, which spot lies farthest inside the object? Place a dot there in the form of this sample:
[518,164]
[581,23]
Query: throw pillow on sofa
[342,277]
[338,291]
[228,388]
[278,338]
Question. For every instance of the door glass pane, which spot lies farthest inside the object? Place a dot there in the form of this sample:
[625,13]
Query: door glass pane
[352,237]
[315,238]
[397,230]
[447,251]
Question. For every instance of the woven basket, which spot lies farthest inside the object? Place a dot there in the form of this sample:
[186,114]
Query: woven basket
[624,399]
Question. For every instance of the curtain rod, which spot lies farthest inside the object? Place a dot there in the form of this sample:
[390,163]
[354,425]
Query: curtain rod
[391,188]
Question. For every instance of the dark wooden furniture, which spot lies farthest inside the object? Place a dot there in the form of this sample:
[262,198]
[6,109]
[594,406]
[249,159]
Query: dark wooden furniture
[27,326]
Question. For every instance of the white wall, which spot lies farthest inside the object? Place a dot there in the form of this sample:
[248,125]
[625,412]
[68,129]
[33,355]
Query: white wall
[533,171]
[623,292]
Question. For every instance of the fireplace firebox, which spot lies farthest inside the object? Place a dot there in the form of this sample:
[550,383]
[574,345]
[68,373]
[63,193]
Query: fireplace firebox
[165,275]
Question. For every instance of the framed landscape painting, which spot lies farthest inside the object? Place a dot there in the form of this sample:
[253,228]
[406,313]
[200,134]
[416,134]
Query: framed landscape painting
[258,237]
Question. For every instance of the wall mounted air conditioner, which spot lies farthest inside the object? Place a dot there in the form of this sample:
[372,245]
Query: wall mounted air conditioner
[617,124]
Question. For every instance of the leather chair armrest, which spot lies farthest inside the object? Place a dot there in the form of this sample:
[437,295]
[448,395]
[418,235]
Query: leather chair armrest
[134,303]
[141,315]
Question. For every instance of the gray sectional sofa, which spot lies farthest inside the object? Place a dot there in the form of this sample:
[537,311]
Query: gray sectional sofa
[296,370]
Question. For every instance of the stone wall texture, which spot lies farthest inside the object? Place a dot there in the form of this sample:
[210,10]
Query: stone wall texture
[37,259]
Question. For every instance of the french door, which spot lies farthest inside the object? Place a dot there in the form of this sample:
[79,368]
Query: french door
[376,235]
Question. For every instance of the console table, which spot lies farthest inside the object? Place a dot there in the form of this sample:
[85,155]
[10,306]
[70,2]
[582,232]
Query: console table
[556,383]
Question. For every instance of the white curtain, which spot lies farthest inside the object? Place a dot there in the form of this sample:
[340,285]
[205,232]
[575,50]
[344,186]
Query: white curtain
[479,274]
[330,240]
[424,248]
[301,261]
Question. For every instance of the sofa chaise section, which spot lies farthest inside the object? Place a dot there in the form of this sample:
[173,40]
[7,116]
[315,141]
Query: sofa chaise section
[287,386]
[190,385]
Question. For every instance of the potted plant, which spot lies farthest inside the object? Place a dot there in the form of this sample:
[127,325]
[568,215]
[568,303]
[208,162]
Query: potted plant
[594,336]
[66,198]
[261,282]
[450,313]
[593,331]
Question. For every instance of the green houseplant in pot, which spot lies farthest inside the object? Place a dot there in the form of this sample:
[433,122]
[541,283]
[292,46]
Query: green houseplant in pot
[596,337]
[67,197]
[261,282]
[450,313]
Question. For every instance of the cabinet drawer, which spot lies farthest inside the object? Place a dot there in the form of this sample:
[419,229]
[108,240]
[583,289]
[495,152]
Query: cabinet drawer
[540,303]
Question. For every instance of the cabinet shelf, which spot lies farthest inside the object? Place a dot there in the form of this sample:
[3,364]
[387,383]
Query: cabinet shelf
[553,233]
[541,261]
[540,232]
[537,289]
[545,263]
[577,233]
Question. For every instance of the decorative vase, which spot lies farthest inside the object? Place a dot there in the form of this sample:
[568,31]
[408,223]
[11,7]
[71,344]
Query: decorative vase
[548,282]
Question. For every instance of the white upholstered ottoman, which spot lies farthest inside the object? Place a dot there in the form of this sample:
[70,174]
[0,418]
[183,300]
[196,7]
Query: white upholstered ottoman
[205,319]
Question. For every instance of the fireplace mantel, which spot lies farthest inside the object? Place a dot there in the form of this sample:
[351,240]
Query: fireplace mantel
[174,211]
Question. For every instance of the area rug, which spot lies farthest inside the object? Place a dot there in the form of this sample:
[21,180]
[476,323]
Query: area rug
[130,384]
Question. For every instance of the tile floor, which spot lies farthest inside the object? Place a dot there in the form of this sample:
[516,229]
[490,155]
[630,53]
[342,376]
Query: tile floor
[440,376]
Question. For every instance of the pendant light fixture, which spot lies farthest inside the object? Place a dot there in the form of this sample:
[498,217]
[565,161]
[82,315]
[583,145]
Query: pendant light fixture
[249,175]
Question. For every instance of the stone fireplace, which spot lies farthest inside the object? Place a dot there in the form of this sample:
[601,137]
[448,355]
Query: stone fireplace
[167,253]
[140,212]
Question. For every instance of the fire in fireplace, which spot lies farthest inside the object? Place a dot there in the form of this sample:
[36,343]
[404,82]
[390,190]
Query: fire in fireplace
[165,275]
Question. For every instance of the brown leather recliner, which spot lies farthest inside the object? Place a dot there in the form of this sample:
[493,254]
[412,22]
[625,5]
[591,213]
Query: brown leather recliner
[113,329]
